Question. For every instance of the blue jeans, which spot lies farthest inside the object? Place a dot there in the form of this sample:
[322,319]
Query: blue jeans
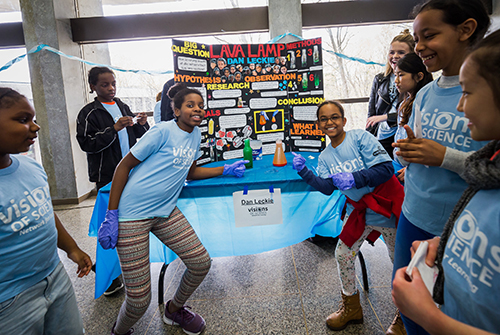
[47,308]
[405,235]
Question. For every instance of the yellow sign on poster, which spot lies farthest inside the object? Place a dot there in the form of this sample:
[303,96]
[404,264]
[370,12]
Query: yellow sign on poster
[269,121]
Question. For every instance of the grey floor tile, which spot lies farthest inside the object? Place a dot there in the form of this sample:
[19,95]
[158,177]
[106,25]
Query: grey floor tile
[89,202]
[317,268]
[381,300]
[286,291]
[76,222]
[269,315]
[378,264]
[255,315]
[317,308]
[265,274]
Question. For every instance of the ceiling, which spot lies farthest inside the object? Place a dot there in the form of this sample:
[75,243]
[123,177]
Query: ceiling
[13,5]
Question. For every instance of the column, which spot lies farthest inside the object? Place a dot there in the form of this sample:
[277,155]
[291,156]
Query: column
[285,16]
[495,17]
[60,90]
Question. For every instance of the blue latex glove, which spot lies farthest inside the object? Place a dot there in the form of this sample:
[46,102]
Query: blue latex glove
[108,232]
[343,180]
[298,162]
[236,169]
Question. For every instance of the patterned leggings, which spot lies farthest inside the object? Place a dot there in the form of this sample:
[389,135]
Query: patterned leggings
[133,250]
[346,256]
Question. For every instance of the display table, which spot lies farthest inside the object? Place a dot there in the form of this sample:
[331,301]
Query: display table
[208,206]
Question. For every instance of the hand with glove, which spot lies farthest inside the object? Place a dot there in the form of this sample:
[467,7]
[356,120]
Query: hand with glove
[108,232]
[343,180]
[298,162]
[236,169]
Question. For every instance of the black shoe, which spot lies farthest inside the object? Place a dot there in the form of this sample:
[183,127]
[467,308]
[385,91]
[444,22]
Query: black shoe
[321,239]
[115,286]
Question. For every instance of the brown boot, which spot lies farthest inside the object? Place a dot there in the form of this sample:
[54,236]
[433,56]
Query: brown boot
[349,312]
[397,326]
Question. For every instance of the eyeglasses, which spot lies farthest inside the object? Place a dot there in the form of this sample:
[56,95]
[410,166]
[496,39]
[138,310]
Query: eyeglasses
[332,118]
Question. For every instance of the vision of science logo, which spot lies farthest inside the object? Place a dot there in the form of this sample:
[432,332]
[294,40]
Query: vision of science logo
[34,206]
[472,254]
[183,157]
[446,128]
[348,166]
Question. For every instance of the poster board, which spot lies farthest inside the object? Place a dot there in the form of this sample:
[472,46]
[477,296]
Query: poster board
[257,91]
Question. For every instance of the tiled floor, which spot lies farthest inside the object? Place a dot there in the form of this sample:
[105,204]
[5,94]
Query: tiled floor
[286,291]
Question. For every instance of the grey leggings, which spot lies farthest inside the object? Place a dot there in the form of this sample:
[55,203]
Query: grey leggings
[133,250]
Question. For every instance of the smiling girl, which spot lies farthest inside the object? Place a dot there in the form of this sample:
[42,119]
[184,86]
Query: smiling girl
[438,140]
[467,252]
[36,294]
[356,164]
[143,197]
[382,106]
[411,76]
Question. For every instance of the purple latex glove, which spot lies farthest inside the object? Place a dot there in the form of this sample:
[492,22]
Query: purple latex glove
[236,169]
[343,180]
[298,162]
[108,232]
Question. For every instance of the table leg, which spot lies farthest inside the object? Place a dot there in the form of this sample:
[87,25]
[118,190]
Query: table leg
[161,280]
[363,271]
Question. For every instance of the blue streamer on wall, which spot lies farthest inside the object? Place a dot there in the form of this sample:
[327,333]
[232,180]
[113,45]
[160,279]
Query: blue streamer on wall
[41,47]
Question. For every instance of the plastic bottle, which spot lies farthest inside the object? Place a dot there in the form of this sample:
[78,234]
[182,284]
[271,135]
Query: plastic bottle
[210,127]
[279,155]
[247,154]
[292,59]
[304,58]
[304,81]
[315,54]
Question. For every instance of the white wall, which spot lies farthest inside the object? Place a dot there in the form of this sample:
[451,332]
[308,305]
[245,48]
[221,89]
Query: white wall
[495,17]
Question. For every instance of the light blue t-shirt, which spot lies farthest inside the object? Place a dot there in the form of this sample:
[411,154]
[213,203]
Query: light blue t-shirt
[157,112]
[384,130]
[28,235]
[432,192]
[360,150]
[399,135]
[115,113]
[471,264]
[400,132]
[166,153]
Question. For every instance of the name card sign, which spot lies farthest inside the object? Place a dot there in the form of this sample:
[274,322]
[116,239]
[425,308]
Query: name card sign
[257,208]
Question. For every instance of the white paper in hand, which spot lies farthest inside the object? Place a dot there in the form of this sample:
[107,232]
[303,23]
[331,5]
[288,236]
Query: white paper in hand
[428,274]
[417,125]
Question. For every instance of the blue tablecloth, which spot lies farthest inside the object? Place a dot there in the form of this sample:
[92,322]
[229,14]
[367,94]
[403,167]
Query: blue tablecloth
[208,206]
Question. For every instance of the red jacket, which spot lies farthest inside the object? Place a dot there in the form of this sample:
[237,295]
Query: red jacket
[386,199]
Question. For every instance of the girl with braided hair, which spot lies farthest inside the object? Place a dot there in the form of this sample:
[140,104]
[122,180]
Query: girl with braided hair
[468,251]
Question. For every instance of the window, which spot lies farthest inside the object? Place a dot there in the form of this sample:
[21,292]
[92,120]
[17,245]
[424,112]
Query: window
[177,6]
[17,76]
[348,79]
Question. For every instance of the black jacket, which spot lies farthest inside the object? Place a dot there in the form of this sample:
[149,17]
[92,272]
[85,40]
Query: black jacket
[99,139]
[167,113]
[380,102]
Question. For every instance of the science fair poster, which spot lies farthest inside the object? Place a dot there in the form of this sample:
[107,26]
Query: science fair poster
[258,91]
